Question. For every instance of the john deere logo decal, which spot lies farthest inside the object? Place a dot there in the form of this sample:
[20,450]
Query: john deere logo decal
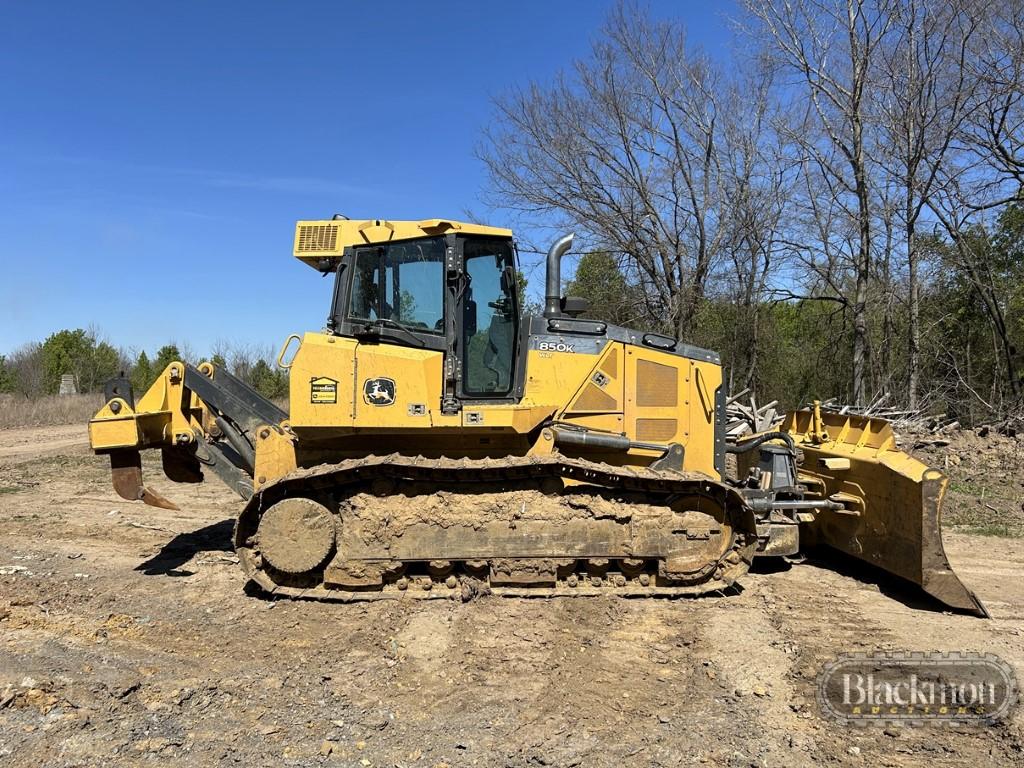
[379,391]
[323,391]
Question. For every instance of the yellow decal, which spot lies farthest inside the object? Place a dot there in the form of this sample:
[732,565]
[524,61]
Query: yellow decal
[323,390]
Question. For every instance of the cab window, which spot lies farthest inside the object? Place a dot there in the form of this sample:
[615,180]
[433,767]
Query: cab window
[402,283]
[489,318]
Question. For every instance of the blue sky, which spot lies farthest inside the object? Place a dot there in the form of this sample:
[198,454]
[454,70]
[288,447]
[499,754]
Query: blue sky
[154,158]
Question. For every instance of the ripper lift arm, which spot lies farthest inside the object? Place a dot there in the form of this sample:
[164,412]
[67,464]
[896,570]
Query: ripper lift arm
[198,417]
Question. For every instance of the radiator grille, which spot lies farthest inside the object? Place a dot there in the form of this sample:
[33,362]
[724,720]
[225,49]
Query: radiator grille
[314,238]
[658,430]
[657,385]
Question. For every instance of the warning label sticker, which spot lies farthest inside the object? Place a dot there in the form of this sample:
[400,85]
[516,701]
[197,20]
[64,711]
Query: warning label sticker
[323,390]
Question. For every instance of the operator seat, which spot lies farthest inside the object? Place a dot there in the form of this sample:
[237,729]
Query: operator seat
[498,352]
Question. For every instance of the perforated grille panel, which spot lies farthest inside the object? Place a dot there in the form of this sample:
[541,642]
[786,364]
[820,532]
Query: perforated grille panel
[657,430]
[314,238]
[657,385]
[593,398]
[611,363]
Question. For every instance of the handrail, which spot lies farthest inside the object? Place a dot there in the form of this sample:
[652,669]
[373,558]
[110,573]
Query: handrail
[284,348]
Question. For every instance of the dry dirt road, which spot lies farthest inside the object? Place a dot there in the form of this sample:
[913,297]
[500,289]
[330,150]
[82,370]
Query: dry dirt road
[126,639]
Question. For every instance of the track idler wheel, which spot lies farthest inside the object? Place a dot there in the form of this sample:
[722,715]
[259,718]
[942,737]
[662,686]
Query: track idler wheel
[296,535]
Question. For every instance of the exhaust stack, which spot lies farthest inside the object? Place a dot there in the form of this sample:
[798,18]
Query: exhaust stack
[553,282]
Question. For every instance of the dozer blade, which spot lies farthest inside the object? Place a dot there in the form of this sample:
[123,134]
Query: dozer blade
[126,472]
[893,501]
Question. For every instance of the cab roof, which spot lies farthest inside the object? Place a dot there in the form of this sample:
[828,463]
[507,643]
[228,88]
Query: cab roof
[320,241]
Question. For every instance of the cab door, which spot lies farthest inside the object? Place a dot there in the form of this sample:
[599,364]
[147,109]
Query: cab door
[488,325]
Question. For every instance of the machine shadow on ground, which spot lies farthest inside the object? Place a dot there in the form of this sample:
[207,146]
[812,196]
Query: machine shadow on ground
[183,547]
[888,584]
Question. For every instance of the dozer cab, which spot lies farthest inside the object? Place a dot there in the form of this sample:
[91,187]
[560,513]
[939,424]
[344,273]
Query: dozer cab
[439,443]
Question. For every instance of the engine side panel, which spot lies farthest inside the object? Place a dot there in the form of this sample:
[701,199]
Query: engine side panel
[646,394]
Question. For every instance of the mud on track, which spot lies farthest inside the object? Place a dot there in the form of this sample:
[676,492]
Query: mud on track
[126,639]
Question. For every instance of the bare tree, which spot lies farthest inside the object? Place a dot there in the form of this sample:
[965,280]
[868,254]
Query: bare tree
[625,150]
[26,364]
[757,173]
[997,64]
[832,49]
[987,172]
[925,94]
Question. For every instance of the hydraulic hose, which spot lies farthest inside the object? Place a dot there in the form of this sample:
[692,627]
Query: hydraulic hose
[750,445]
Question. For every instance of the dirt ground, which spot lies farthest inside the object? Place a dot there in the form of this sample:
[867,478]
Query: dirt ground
[126,638]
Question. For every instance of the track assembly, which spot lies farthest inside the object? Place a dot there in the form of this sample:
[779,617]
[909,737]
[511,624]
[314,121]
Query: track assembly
[394,525]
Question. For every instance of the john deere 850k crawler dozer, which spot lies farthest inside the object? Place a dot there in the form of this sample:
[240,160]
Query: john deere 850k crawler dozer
[439,443]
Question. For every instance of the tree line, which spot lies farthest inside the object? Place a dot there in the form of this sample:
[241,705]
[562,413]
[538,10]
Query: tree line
[835,205]
[35,369]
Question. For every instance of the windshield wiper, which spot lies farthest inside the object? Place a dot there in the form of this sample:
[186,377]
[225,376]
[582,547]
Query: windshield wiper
[382,322]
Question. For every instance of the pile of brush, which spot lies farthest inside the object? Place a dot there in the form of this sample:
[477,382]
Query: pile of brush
[910,420]
[743,418]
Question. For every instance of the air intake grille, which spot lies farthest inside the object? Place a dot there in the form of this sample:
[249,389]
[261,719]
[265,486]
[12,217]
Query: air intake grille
[314,238]
[658,430]
[657,385]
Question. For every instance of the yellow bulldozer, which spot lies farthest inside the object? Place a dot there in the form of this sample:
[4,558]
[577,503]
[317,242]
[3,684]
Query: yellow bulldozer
[438,442]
